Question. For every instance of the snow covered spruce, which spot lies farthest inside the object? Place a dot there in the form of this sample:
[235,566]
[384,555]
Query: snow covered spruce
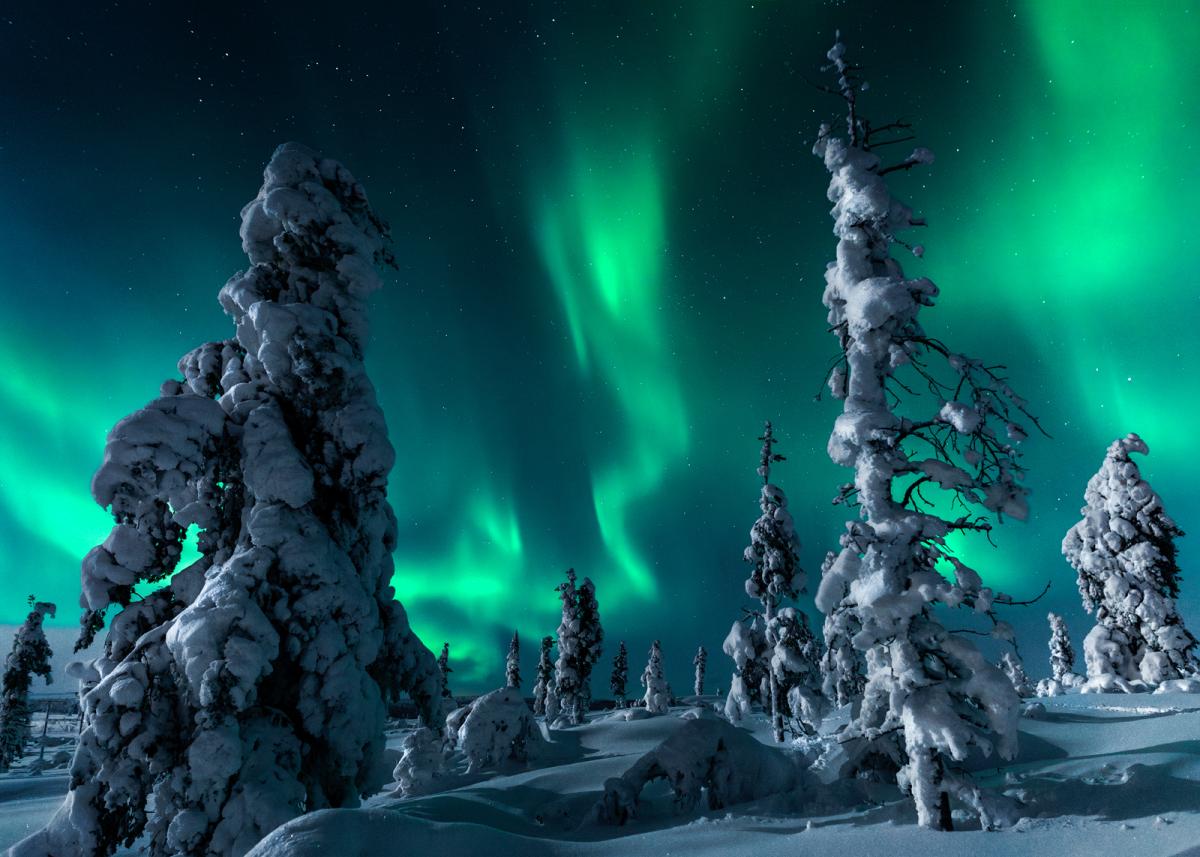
[1062,660]
[619,678]
[512,662]
[775,574]
[930,696]
[579,646]
[30,656]
[252,685]
[700,662]
[545,676]
[657,698]
[1125,556]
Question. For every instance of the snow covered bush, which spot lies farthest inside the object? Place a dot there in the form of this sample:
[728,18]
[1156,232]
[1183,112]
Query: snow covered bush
[1125,556]
[842,665]
[700,662]
[619,679]
[422,762]
[512,662]
[657,699]
[774,558]
[545,676]
[30,656]
[1011,666]
[706,756]
[250,686]
[579,646]
[498,731]
[929,694]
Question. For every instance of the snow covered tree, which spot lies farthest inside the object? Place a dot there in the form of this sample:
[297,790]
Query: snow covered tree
[796,670]
[579,646]
[930,695]
[657,698]
[512,663]
[774,558]
[700,662]
[545,676]
[1011,666]
[30,656]
[443,664]
[746,644]
[1125,556]
[620,675]
[252,685]
[842,665]
[1062,653]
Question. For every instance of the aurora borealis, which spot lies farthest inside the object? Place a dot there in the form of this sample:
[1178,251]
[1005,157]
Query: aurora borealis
[611,236]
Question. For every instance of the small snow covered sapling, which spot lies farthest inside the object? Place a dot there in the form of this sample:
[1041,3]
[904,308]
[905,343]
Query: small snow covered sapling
[30,656]
[1124,553]
[746,645]
[545,676]
[619,679]
[930,696]
[657,698]
[512,662]
[842,665]
[700,662]
[1062,653]
[796,670]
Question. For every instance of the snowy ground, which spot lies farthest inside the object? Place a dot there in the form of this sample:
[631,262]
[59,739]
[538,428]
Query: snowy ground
[1100,775]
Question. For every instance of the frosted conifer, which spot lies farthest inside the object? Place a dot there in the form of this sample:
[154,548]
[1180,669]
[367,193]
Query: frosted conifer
[842,666]
[443,664]
[545,676]
[512,662]
[796,670]
[258,676]
[1062,653]
[620,675]
[1010,664]
[700,662]
[1125,556]
[930,695]
[579,646]
[30,656]
[657,698]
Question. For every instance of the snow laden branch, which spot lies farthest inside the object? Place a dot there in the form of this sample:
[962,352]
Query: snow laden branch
[252,685]
[917,418]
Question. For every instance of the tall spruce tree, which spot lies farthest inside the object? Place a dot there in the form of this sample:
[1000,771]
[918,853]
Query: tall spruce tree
[30,656]
[930,696]
[580,639]
[657,697]
[258,675]
[700,662]
[1062,653]
[1125,556]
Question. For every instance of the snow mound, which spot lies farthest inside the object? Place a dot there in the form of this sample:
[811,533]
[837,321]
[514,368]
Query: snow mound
[497,730]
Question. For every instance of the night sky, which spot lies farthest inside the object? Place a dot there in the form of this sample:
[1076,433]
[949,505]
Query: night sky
[611,236]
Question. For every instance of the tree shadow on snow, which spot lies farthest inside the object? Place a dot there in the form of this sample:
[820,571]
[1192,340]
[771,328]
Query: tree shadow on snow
[1113,794]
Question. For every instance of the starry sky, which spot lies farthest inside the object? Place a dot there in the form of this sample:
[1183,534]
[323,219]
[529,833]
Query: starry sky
[611,236]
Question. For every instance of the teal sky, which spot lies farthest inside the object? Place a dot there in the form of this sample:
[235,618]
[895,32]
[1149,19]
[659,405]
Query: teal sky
[611,235]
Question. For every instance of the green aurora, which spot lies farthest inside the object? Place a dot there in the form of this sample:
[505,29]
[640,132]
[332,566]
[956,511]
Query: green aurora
[611,236]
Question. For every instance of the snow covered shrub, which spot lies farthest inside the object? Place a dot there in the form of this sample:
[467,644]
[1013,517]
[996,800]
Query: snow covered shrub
[30,656]
[512,662]
[774,558]
[498,731]
[579,646]
[422,762]
[657,699]
[252,685]
[1049,687]
[708,756]
[1062,653]
[746,644]
[1011,666]
[1107,654]
[545,676]
[700,662]
[929,693]
[842,665]
[1125,556]
[620,675]
[796,670]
